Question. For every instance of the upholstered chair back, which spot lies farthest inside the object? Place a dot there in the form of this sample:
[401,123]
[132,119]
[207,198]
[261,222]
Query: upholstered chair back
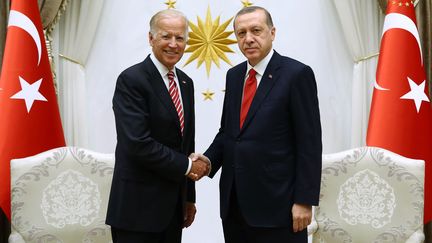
[369,194]
[61,195]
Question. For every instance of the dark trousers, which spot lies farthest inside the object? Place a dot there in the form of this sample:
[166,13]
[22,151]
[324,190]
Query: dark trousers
[172,234]
[236,230]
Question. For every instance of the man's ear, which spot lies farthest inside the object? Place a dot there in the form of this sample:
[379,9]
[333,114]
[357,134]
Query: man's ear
[273,32]
[150,36]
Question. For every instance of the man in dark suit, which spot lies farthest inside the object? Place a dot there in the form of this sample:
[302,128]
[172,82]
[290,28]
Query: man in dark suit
[269,144]
[151,198]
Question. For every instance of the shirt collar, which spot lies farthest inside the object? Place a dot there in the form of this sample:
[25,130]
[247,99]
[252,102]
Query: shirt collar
[160,67]
[262,65]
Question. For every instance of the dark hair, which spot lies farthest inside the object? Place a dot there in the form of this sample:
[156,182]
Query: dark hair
[251,9]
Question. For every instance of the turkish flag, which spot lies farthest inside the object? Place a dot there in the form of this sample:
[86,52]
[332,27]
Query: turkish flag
[401,115]
[29,116]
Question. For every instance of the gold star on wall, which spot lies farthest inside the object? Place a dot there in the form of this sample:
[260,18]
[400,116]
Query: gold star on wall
[170,4]
[208,42]
[246,3]
[208,95]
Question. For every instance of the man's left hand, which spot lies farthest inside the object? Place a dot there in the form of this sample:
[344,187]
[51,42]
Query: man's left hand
[190,214]
[302,216]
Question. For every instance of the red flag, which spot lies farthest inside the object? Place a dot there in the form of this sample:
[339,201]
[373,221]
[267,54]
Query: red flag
[29,116]
[401,115]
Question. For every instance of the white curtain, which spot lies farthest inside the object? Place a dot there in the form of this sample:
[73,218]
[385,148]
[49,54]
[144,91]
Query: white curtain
[77,31]
[361,26]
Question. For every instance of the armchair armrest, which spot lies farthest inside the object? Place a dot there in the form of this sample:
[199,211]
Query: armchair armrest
[312,227]
[15,237]
[416,237]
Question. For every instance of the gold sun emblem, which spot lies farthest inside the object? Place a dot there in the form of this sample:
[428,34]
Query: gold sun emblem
[208,42]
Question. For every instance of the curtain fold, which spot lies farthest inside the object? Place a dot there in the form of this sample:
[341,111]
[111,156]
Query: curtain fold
[4,11]
[360,24]
[77,31]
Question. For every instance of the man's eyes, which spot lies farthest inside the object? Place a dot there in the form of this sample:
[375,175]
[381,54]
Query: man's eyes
[253,31]
[177,38]
[256,31]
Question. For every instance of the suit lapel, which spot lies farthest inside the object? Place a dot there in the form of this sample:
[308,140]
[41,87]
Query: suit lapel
[238,81]
[267,81]
[161,90]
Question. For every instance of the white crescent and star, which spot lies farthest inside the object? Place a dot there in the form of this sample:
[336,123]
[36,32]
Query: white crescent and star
[400,21]
[29,92]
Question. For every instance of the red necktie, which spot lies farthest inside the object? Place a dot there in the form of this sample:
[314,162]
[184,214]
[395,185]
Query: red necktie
[248,94]
[174,93]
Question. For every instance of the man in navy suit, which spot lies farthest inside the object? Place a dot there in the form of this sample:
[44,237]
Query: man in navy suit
[269,143]
[151,197]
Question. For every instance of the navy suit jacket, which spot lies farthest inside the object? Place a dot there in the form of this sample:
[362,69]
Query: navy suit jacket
[274,160]
[151,153]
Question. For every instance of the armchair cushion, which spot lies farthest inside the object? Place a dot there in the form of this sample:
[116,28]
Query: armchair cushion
[370,195]
[61,195]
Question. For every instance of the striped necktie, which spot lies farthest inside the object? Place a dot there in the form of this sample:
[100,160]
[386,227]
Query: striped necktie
[174,93]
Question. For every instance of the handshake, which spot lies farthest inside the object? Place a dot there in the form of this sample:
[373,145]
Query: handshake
[201,166]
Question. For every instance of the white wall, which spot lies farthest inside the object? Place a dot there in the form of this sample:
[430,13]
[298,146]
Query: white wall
[305,30]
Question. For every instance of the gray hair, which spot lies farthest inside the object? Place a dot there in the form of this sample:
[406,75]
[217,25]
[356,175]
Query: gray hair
[251,9]
[167,13]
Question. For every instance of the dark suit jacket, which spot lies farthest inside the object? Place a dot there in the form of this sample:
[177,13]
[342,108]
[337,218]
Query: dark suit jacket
[275,159]
[151,154]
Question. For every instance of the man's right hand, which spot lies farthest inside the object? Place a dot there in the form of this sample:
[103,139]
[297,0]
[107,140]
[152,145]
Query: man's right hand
[200,167]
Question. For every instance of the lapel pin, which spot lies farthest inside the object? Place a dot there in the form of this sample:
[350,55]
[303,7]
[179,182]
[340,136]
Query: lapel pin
[270,76]
[183,81]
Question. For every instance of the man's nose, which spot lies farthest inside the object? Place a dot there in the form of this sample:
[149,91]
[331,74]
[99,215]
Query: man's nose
[172,42]
[249,38]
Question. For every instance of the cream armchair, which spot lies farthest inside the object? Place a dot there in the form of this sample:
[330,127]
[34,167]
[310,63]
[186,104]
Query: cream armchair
[369,195]
[61,195]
